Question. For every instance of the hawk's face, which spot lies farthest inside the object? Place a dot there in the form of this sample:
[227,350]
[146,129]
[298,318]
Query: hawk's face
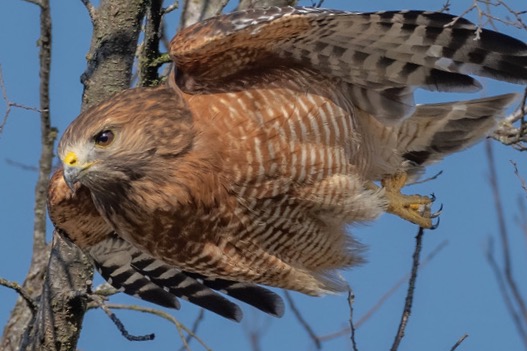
[114,142]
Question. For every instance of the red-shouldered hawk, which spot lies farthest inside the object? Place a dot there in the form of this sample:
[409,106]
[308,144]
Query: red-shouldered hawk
[266,142]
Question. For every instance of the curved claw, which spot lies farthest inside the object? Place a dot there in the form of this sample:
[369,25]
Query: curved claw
[433,197]
[436,224]
[438,212]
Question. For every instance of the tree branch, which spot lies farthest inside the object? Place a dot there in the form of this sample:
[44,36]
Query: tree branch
[21,291]
[351,301]
[509,134]
[410,294]
[247,4]
[99,301]
[179,326]
[461,339]
[195,11]
[62,305]
[302,320]
[22,317]
[149,52]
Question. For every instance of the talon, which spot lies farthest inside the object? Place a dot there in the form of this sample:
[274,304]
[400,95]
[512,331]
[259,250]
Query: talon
[413,208]
[437,213]
[436,224]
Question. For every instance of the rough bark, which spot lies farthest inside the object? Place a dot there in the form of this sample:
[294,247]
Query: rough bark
[246,4]
[22,316]
[198,10]
[63,297]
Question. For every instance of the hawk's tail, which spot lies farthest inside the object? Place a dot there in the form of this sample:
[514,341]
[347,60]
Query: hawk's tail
[437,130]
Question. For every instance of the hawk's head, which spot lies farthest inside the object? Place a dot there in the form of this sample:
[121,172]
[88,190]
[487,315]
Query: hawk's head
[125,138]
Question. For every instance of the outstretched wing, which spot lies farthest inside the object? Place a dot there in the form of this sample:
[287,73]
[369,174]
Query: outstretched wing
[138,274]
[383,55]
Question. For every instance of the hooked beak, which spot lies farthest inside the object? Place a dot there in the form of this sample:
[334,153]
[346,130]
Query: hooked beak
[71,176]
[73,170]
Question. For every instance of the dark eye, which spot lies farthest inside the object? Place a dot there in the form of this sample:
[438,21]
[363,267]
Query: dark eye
[104,138]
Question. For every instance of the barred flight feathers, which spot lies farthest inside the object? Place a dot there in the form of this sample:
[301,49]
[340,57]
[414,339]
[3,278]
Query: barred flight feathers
[383,55]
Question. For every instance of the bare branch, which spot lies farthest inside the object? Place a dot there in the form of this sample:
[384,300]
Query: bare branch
[21,319]
[63,301]
[21,291]
[149,50]
[179,326]
[351,300]
[410,294]
[248,4]
[445,7]
[508,134]
[502,285]
[105,290]
[35,2]
[92,12]
[503,232]
[515,302]
[170,8]
[461,339]
[100,303]
[20,165]
[255,329]
[196,11]
[517,173]
[302,321]
[386,295]
[9,104]
[195,327]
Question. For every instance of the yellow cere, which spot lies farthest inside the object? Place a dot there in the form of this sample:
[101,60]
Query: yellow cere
[70,159]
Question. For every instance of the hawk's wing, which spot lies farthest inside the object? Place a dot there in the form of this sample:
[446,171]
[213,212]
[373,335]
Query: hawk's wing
[383,55]
[138,274]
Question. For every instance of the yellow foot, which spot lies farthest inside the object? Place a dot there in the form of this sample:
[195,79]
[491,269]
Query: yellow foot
[413,208]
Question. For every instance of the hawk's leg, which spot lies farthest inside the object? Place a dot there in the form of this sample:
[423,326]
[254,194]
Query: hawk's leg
[413,208]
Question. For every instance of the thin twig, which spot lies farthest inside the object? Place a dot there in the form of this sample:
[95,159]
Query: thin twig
[445,7]
[179,326]
[105,290]
[10,104]
[6,100]
[171,7]
[515,303]
[502,285]
[410,294]
[302,321]
[255,328]
[21,165]
[385,297]
[504,235]
[508,134]
[21,291]
[461,339]
[351,300]
[35,2]
[517,173]
[92,12]
[195,327]
[101,304]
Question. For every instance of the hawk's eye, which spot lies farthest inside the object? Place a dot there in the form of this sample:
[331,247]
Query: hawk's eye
[104,138]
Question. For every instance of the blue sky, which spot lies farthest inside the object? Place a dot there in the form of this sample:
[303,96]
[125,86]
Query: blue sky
[456,292]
